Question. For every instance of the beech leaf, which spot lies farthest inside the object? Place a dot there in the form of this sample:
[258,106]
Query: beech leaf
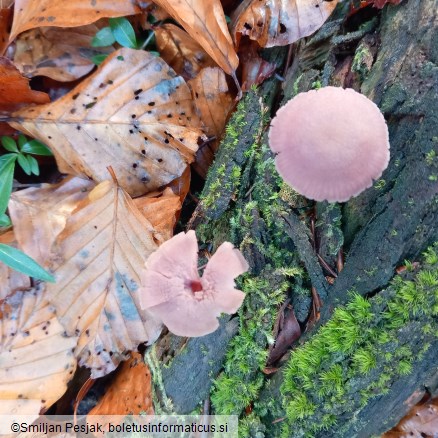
[279,22]
[14,88]
[134,114]
[181,51]
[130,392]
[63,54]
[29,14]
[97,262]
[5,25]
[214,102]
[39,214]
[205,22]
[36,359]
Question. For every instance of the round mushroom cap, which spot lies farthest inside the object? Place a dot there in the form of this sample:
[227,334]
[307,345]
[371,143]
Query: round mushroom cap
[330,143]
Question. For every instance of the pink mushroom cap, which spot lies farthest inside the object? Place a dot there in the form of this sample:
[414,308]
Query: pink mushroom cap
[330,143]
[173,291]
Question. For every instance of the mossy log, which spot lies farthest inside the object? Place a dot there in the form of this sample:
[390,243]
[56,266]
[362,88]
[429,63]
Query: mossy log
[392,57]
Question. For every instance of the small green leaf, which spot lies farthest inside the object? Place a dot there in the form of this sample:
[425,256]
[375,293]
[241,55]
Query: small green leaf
[24,164]
[98,59]
[22,263]
[7,165]
[9,144]
[123,32]
[33,163]
[37,148]
[22,140]
[103,38]
[4,221]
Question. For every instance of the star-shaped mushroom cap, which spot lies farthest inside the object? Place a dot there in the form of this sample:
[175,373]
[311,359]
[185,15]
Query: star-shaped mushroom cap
[173,291]
[330,143]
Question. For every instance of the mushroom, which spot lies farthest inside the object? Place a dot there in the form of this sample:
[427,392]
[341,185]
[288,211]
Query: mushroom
[173,291]
[330,143]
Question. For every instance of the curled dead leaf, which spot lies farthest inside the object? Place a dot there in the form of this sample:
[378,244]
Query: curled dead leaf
[181,51]
[161,211]
[5,21]
[214,103]
[97,263]
[63,54]
[279,22]
[36,355]
[254,68]
[131,391]
[205,22]
[421,421]
[134,114]
[29,14]
[14,88]
[39,214]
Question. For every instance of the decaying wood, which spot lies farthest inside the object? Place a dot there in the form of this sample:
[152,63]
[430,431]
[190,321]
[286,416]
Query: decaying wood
[395,220]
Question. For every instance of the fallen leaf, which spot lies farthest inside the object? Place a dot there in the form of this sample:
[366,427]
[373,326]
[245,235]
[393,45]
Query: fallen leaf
[254,68]
[131,391]
[206,24]
[161,211]
[5,22]
[14,88]
[357,5]
[214,103]
[11,280]
[29,14]
[279,22]
[134,114]
[181,51]
[97,263]
[288,330]
[381,3]
[421,421]
[36,355]
[63,54]
[39,214]
[181,186]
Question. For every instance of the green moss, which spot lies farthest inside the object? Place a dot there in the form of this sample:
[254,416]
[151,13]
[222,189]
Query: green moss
[241,379]
[362,61]
[162,404]
[361,350]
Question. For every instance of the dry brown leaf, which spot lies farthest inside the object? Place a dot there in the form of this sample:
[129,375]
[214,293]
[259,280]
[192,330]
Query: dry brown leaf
[97,263]
[214,103]
[420,422]
[63,54]
[131,391]
[11,280]
[279,22]
[39,214]
[5,22]
[254,68]
[36,355]
[181,51]
[29,14]
[161,211]
[181,185]
[206,24]
[133,114]
[14,88]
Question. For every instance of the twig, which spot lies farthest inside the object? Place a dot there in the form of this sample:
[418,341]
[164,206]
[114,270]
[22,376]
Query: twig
[326,266]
